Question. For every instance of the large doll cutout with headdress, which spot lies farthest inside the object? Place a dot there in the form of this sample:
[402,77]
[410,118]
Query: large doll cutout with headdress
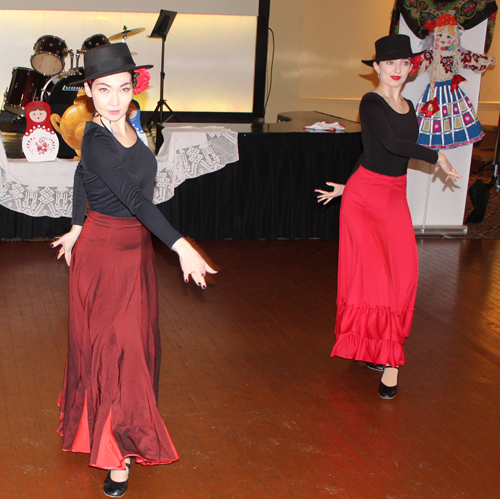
[445,114]
[40,142]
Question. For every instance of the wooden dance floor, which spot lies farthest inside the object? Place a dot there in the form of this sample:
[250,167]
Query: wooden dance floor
[254,403]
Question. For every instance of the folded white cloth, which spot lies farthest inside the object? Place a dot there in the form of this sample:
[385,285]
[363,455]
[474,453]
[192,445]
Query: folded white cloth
[326,126]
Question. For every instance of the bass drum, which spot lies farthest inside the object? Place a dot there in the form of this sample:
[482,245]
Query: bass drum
[25,86]
[60,92]
[94,41]
[49,55]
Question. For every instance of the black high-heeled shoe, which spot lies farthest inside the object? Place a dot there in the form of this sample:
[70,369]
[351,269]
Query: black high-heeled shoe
[115,489]
[387,392]
[374,367]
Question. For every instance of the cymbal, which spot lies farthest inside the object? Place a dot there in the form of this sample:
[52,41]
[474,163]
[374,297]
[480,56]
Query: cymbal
[125,33]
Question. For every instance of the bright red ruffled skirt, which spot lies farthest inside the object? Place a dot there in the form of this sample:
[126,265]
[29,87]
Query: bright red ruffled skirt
[378,270]
[109,399]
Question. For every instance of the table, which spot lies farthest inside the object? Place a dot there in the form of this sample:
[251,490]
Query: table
[36,198]
[267,194]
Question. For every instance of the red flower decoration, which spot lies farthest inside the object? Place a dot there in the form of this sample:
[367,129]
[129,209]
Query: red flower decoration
[430,107]
[416,60]
[142,77]
[456,80]
[430,24]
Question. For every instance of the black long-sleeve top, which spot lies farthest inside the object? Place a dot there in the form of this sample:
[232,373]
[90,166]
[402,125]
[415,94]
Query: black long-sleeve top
[118,181]
[389,138]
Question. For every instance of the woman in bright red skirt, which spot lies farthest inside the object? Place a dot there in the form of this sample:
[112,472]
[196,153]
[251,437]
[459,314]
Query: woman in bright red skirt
[109,399]
[378,261]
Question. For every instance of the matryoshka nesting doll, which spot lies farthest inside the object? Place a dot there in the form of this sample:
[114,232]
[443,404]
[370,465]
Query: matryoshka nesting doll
[40,142]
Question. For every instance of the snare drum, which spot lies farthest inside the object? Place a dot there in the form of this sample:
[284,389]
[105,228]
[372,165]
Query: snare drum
[60,92]
[49,55]
[94,41]
[25,86]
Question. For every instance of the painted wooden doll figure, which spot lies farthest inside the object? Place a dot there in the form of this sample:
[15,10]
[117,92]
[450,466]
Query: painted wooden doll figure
[445,114]
[134,114]
[40,142]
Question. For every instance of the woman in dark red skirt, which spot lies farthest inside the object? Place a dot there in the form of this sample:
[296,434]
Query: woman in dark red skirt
[378,261]
[109,399]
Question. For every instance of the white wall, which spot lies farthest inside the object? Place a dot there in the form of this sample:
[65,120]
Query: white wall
[319,46]
[219,7]
[209,62]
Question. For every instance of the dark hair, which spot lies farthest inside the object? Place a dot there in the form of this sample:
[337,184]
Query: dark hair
[134,78]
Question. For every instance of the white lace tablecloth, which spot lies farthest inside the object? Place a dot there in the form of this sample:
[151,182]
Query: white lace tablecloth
[46,189]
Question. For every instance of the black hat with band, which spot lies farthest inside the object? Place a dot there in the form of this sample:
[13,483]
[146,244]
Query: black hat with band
[107,60]
[391,48]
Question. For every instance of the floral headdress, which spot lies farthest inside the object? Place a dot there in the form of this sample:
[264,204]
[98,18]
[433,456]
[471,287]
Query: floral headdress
[434,26]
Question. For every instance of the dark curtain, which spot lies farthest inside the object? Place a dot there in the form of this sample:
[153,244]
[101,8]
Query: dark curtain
[269,192]
[16,225]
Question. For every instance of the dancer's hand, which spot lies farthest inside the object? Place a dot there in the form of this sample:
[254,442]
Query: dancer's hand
[67,241]
[192,263]
[326,196]
[445,165]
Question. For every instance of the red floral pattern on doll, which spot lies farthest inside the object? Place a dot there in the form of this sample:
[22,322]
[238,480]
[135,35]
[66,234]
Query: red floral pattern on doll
[447,63]
[475,62]
[478,63]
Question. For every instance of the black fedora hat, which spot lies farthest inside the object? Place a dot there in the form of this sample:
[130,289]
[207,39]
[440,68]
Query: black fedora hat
[107,60]
[392,47]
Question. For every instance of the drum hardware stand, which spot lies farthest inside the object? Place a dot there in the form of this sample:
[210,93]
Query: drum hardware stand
[75,69]
[17,117]
[160,30]
[78,54]
[71,55]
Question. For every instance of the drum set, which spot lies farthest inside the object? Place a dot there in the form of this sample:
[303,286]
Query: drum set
[47,79]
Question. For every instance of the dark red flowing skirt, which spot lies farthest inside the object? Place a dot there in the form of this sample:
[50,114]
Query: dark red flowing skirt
[109,400]
[378,270]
